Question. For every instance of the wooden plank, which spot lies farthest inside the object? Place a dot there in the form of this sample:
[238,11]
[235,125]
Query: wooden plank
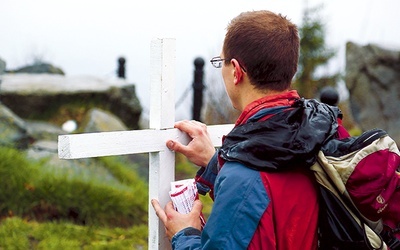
[162,116]
[87,145]
[162,83]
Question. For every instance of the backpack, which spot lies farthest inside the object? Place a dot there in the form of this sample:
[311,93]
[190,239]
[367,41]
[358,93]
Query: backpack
[359,184]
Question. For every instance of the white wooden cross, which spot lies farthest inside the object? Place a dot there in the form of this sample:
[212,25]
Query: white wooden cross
[152,141]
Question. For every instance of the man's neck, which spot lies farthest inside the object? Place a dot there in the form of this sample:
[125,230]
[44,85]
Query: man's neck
[282,98]
[252,94]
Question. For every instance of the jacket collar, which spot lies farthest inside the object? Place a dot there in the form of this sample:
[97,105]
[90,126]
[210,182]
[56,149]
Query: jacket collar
[290,138]
[283,99]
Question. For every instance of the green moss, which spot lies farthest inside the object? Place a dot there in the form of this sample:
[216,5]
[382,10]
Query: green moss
[355,131]
[16,233]
[13,233]
[16,174]
[43,192]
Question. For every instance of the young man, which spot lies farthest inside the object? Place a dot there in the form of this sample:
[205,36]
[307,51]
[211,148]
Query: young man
[264,193]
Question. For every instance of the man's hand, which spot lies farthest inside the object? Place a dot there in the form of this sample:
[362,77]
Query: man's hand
[200,149]
[174,221]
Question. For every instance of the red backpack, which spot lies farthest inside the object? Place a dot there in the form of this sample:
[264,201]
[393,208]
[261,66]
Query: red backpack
[359,183]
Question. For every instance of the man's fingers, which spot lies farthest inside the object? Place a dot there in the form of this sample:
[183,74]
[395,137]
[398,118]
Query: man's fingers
[169,209]
[200,124]
[176,146]
[190,127]
[197,206]
[188,151]
[172,145]
[159,211]
[183,125]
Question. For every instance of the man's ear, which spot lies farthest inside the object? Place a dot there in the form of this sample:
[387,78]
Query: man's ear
[238,72]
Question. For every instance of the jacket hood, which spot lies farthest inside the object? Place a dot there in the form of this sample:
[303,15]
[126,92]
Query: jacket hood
[288,139]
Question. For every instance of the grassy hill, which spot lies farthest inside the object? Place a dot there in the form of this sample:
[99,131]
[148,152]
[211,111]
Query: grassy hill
[100,204]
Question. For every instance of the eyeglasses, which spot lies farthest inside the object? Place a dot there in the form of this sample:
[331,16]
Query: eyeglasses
[217,61]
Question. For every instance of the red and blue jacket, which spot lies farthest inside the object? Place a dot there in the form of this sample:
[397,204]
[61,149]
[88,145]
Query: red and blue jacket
[264,194]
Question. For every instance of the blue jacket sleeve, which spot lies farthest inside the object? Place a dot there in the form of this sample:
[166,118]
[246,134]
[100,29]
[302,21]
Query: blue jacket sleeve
[188,238]
[240,202]
[205,177]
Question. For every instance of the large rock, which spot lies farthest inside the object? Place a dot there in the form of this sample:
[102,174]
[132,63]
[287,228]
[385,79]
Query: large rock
[58,98]
[13,130]
[44,136]
[39,68]
[40,130]
[97,120]
[2,67]
[373,80]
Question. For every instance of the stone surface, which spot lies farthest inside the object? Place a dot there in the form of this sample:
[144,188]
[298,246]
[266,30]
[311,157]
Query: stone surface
[13,130]
[41,84]
[58,98]
[40,130]
[40,67]
[38,139]
[373,81]
[2,67]
[97,120]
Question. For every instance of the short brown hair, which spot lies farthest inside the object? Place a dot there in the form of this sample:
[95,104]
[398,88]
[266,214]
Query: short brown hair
[266,45]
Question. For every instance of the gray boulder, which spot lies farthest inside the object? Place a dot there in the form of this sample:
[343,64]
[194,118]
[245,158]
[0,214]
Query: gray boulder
[58,98]
[46,135]
[40,130]
[39,68]
[2,67]
[97,120]
[373,81]
[13,130]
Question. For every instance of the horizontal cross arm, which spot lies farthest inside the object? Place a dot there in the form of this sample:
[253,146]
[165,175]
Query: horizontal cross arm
[88,145]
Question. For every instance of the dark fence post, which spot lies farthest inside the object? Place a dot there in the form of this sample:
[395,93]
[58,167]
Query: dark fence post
[121,67]
[329,95]
[198,87]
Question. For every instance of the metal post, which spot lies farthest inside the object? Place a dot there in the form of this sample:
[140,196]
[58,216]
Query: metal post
[329,95]
[121,67]
[198,87]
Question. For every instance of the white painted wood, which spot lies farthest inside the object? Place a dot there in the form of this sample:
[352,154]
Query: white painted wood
[162,116]
[162,83]
[76,146]
[162,119]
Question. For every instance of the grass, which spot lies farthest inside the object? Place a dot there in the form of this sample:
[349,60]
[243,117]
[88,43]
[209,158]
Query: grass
[37,190]
[16,233]
[100,203]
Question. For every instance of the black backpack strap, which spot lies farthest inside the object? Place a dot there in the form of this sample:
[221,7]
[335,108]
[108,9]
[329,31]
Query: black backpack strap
[391,241]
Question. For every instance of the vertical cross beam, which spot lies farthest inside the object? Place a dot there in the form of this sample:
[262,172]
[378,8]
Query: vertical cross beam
[162,116]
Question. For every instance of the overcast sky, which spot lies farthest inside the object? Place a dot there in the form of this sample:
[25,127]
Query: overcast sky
[86,37]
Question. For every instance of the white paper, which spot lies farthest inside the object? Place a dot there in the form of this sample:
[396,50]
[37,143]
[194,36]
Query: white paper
[183,194]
